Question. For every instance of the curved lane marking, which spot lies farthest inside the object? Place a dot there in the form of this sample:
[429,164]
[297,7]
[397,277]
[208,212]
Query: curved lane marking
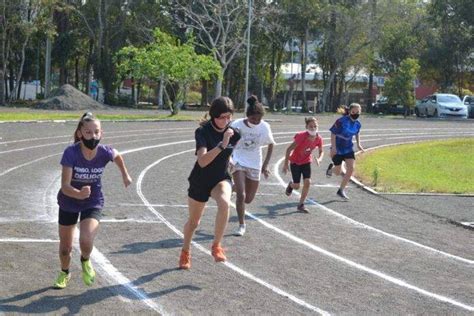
[204,250]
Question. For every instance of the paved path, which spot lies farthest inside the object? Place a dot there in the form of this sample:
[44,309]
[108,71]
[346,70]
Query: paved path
[371,255]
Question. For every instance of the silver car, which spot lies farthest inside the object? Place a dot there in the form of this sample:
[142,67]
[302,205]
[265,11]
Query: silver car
[441,105]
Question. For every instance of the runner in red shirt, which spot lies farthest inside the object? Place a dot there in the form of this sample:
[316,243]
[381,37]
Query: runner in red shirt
[300,158]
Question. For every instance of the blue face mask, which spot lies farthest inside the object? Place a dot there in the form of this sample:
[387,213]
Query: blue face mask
[91,143]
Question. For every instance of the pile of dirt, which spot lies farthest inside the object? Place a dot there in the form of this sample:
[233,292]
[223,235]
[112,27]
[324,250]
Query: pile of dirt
[69,98]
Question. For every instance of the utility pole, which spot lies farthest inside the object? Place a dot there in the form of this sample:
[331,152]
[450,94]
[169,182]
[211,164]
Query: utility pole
[250,3]
[47,67]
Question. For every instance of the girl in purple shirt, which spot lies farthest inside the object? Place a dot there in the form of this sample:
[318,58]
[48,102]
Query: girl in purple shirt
[83,164]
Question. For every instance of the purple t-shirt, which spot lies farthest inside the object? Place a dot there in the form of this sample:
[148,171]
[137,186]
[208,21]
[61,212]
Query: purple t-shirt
[85,172]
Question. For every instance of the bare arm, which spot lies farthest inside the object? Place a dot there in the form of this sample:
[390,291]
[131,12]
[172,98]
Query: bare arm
[320,156]
[265,170]
[358,143]
[127,180]
[68,190]
[205,157]
[287,156]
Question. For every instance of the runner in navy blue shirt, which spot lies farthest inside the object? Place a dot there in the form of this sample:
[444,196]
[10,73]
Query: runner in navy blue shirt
[342,132]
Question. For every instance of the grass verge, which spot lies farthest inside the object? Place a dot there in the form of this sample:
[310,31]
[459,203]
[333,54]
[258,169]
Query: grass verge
[434,167]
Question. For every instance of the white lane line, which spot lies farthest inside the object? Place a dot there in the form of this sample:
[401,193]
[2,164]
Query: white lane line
[154,205]
[154,130]
[313,185]
[7,240]
[129,220]
[201,248]
[276,173]
[106,268]
[359,266]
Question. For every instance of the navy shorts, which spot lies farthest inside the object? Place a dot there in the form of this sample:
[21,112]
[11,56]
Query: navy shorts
[69,218]
[298,170]
[337,159]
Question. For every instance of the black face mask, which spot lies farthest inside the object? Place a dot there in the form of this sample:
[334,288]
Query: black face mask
[354,116]
[91,143]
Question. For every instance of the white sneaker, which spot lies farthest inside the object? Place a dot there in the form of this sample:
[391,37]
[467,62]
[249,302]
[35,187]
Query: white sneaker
[240,231]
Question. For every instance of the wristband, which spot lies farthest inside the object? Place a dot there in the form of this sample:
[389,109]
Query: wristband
[220,146]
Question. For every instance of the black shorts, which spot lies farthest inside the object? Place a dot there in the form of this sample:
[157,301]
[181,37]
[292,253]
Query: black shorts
[298,170]
[201,193]
[69,218]
[337,159]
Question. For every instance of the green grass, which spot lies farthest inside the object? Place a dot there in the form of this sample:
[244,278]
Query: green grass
[437,166]
[29,116]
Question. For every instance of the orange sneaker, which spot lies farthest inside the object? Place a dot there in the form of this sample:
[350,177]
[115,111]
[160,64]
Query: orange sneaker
[218,253]
[185,260]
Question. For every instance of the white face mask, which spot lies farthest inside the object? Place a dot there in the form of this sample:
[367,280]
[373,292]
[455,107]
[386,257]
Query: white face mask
[312,133]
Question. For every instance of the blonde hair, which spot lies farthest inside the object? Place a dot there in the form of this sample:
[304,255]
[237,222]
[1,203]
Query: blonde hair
[344,110]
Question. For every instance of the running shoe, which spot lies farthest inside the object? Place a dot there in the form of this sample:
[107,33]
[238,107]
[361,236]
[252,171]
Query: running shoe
[218,253]
[185,260]
[302,208]
[329,170]
[289,189]
[241,230]
[88,273]
[62,280]
[342,194]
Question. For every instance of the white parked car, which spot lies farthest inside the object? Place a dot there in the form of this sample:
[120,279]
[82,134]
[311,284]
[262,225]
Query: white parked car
[441,105]
[469,102]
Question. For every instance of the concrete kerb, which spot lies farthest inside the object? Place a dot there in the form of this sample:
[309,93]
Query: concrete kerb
[371,190]
[467,225]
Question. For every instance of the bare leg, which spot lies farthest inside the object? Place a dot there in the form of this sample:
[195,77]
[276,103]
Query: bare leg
[66,236]
[304,192]
[240,189]
[88,230]
[221,193]
[350,164]
[196,210]
[251,187]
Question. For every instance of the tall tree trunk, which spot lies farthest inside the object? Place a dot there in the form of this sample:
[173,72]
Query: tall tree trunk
[76,73]
[327,90]
[204,92]
[304,54]
[161,104]
[3,60]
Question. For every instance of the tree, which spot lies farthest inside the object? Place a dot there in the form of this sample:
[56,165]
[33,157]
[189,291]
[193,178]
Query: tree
[399,87]
[449,55]
[344,39]
[219,27]
[168,59]
[303,17]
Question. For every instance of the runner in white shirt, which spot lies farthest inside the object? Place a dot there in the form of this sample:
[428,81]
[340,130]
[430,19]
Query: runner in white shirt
[247,159]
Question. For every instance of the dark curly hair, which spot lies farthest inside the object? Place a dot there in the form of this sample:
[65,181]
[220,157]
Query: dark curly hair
[254,106]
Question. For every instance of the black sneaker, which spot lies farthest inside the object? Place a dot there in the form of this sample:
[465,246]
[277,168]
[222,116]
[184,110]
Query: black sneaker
[302,208]
[329,170]
[289,189]
[342,194]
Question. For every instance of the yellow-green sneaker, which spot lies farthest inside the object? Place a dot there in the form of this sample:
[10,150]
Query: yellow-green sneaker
[88,273]
[62,280]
